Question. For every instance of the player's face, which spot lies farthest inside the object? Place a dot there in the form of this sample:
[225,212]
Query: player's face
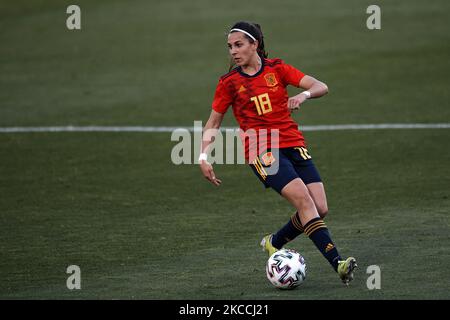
[241,49]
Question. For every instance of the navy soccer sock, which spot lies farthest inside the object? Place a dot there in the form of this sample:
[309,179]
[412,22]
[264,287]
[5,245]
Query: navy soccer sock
[317,231]
[289,232]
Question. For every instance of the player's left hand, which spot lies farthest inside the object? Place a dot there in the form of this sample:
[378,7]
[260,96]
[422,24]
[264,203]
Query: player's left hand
[295,102]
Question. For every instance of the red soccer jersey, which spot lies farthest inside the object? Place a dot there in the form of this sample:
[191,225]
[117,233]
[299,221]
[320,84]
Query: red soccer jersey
[260,102]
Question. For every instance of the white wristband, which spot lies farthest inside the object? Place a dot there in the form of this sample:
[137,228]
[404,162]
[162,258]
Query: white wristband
[307,94]
[203,157]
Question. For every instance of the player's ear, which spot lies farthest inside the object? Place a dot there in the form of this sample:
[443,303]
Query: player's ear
[255,44]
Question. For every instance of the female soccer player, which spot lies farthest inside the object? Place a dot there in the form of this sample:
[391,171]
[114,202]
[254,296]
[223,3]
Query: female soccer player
[256,88]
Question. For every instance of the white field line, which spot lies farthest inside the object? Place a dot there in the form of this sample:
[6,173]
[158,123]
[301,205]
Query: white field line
[171,129]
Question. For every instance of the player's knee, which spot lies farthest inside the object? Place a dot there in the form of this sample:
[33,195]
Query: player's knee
[298,195]
[304,201]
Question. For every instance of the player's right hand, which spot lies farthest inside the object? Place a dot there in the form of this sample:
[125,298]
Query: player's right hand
[208,173]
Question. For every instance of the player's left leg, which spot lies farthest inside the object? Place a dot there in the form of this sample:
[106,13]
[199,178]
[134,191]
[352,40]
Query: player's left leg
[277,180]
[314,227]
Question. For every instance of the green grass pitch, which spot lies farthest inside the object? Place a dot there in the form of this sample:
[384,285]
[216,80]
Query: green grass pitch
[141,227]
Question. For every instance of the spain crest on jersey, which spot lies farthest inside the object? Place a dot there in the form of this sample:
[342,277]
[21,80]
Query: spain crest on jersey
[271,80]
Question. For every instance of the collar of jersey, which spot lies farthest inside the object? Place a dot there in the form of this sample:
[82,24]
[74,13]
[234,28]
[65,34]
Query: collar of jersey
[239,69]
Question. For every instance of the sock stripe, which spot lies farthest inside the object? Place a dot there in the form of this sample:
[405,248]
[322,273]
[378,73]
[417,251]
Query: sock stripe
[308,230]
[296,225]
[296,222]
[310,222]
[314,226]
[314,229]
[323,226]
[291,230]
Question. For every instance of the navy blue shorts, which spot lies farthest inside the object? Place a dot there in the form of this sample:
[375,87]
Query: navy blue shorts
[276,168]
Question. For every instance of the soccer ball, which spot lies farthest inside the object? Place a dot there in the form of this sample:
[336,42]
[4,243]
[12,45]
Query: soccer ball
[286,269]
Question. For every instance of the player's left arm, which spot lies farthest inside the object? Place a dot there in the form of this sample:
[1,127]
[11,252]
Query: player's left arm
[313,89]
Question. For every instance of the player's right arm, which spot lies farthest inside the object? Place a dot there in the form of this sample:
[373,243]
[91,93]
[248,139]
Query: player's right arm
[209,132]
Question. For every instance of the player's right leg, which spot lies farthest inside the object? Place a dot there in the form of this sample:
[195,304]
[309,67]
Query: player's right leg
[276,177]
